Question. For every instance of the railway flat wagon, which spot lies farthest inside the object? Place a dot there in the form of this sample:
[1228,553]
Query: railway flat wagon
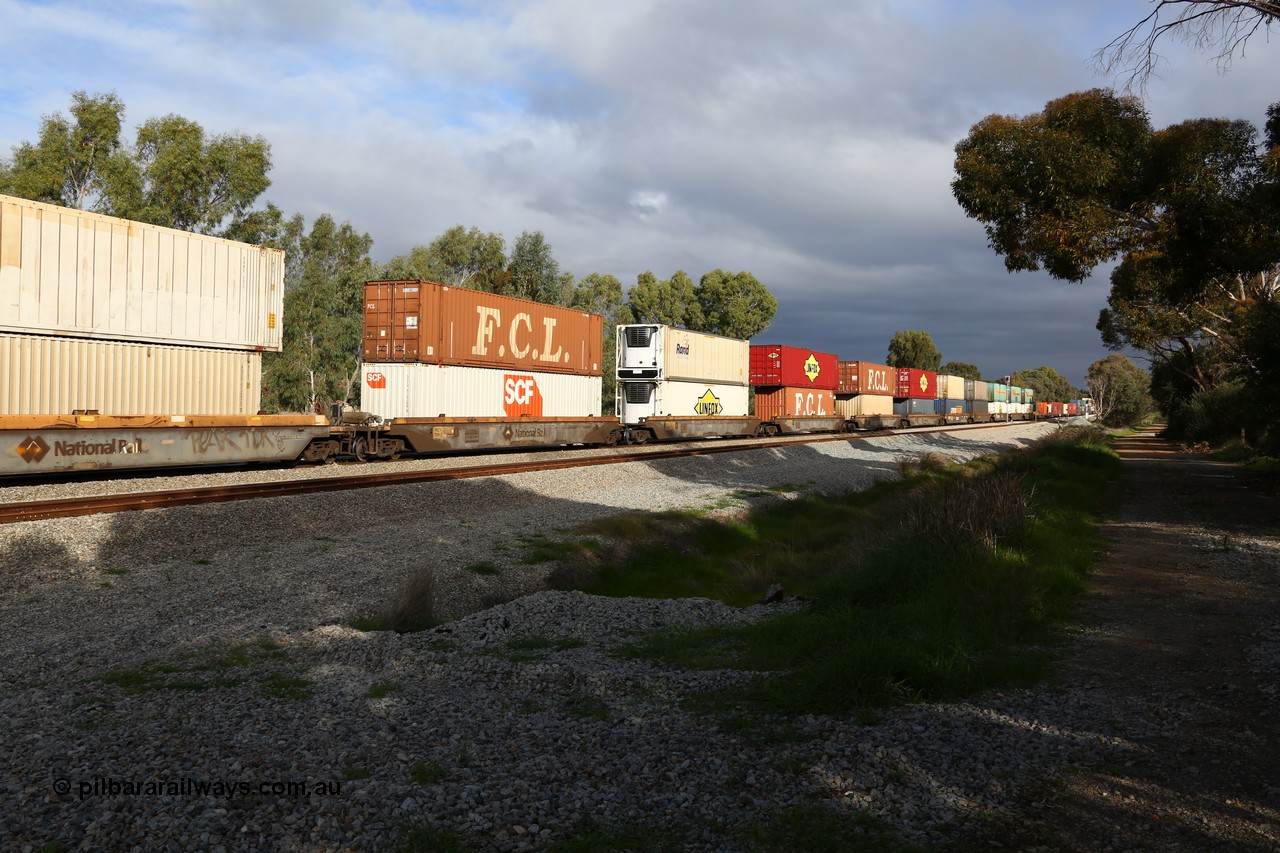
[678,384]
[37,445]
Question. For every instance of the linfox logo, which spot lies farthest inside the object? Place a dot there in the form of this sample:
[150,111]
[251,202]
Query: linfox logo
[489,322]
[812,368]
[521,396]
[924,382]
[376,379]
[708,404]
[33,449]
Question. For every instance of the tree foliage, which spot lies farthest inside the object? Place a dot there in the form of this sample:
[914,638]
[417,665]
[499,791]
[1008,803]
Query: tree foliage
[323,310]
[1120,390]
[174,175]
[735,305]
[962,369]
[671,302]
[1224,26]
[910,348]
[75,159]
[1192,212]
[1049,384]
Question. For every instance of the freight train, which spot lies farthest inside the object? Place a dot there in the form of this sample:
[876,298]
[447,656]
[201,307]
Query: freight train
[127,346]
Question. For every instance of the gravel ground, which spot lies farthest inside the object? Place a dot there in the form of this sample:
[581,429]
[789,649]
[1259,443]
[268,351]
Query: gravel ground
[184,679]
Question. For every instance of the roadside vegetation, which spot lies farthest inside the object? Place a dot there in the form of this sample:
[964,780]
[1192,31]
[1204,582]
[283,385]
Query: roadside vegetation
[948,582]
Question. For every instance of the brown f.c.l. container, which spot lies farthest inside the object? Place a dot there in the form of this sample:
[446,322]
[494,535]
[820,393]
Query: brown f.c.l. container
[433,323]
[866,377]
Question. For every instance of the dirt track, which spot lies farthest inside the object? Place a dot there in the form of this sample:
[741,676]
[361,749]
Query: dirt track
[1182,614]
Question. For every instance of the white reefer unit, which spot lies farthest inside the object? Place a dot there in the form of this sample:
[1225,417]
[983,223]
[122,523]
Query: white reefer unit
[80,274]
[44,375]
[672,398]
[661,353]
[415,390]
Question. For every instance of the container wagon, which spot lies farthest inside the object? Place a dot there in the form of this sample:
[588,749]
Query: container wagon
[795,389]
[128,345]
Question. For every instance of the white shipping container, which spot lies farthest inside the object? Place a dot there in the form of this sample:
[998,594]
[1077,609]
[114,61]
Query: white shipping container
[860,405]
[661,353]
[415,390]
[43,375]
[71,272]
[637,400]
[950,387]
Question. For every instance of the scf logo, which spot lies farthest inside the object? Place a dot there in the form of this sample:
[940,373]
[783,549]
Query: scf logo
[521,396]
[376,380]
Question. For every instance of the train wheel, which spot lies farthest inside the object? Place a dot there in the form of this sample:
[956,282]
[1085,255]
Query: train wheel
[360,449]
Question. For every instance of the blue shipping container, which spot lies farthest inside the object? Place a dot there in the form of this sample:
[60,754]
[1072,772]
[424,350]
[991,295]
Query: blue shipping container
[913,406]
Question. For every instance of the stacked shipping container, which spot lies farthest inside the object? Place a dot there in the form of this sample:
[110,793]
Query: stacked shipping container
[431,350]
[128,318]
[865,389]
[668,372]
[792,382]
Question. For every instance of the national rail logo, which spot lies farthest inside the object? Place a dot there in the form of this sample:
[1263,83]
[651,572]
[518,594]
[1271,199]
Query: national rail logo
[33,449]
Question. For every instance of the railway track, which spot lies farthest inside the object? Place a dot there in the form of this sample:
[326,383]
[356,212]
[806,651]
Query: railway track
[12,513]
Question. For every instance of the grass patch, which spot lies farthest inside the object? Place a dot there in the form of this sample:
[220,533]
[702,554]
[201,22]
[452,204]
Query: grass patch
[354,773]
[483,568]
[817,828]
[591,836]
[414,609]
[947,583]
[424,838]
[115,571]
[427,774]
[214,670]
[381,690]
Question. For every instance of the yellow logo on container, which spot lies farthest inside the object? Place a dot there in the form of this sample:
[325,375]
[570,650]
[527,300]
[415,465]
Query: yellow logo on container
[708,404]
[812,368]
[924,382]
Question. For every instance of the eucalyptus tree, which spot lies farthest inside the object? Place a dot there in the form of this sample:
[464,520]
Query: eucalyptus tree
[913,348]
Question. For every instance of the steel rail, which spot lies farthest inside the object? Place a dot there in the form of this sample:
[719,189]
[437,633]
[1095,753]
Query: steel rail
[134,501]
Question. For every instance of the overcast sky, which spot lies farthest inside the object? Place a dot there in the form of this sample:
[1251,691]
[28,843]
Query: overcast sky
[809,142]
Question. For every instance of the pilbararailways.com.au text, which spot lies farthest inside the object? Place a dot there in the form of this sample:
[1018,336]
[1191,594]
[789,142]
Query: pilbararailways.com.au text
[188,786]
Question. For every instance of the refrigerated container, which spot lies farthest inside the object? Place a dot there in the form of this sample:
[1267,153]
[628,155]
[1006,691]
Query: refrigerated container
[639,400]
[796,367]
[659,353]
[431,323]
[74,273]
